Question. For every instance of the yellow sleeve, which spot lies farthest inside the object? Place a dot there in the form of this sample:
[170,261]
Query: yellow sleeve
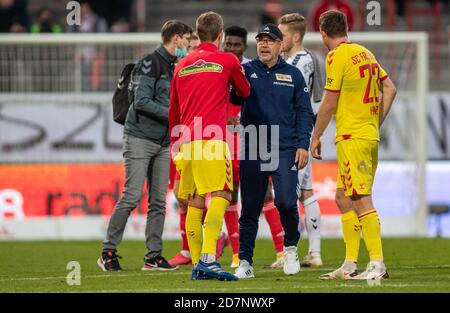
[335,65]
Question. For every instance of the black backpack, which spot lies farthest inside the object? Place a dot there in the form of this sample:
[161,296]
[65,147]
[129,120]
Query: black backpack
[120,98]
[120,101]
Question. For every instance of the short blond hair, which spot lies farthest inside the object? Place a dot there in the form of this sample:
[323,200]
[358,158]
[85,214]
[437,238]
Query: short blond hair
[209,25]
[295,22]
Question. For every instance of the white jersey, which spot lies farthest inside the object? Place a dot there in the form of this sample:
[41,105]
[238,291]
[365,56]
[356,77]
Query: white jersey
[304,62]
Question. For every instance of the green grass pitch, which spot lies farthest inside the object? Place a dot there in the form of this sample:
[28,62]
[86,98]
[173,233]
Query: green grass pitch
[415,265]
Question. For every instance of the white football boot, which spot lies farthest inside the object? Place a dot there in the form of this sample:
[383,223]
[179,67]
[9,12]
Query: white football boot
[346,271]
[375,270]
[245,270]
[279,263]
[291,263]
[312,259]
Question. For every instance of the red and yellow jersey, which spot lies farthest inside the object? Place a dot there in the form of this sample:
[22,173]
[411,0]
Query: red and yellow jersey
[353,71]
[200,92]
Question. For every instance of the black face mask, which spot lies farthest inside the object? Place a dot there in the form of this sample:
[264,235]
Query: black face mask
[46,27]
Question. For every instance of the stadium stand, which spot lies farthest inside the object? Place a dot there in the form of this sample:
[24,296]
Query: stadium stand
[418,15]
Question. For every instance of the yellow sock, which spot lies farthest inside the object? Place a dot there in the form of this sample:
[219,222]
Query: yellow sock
[351,231]
[371,233]
[213,224]
[194,231]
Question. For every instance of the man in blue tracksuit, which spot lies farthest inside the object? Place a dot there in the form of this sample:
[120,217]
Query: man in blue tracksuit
[279,108]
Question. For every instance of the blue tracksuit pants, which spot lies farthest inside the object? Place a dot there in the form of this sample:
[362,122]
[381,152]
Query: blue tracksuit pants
[253,183]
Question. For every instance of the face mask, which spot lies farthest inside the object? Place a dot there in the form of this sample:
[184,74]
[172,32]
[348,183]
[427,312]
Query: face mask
[180,53]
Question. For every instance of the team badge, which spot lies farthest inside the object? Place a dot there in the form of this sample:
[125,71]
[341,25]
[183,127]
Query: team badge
[284,77]
[363,168]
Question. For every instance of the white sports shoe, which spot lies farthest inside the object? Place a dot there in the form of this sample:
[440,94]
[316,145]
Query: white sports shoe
[291,263]
[245,270]
[340,273]
[374,271]
[312,259]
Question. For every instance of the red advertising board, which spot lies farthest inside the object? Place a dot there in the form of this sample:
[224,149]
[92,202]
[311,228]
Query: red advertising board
[40,190]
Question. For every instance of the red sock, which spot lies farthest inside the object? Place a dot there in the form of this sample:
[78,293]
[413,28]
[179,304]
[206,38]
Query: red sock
[232,221]
[273,219]
[184,242]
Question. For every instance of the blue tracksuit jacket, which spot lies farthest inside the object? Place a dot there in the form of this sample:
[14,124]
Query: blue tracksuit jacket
[279,96]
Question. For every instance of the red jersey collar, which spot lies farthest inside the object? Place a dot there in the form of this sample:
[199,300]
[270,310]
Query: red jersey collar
[208,46]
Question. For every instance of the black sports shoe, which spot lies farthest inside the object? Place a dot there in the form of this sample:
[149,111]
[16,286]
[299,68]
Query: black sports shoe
[109,261]
[157,263]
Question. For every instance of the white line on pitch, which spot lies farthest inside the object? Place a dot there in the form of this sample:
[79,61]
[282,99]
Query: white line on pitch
[97,276]
[159,273]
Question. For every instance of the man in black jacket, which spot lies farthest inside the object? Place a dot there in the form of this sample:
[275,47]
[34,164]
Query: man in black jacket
[146,148]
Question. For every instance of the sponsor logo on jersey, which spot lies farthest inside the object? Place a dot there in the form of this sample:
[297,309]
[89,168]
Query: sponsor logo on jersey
[200,66]
[284,77]
[254,75]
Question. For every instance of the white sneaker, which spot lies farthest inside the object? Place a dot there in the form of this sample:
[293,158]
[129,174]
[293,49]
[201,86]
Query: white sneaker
[374,271]
[279,263]
[340,273]
[291,263]
[245,270]
[312,259]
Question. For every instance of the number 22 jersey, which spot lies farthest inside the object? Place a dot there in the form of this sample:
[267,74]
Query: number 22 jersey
[353,71]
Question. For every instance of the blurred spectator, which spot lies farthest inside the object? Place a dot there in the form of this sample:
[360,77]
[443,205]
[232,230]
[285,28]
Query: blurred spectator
[325,5]
[13,16]
[90,21]
[272,11]
[116,12]
[45,23]
[400,6]
[120,26]
[445,3]
[92,59]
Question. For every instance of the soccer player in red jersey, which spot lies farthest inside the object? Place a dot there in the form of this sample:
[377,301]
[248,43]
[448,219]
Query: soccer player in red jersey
[199,98]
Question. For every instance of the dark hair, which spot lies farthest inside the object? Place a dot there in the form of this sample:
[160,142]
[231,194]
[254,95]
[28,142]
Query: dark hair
[172,28]
[237,31]
[333,23]
[209,25]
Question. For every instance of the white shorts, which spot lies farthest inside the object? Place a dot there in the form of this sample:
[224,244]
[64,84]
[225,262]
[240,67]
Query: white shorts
[305,176]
